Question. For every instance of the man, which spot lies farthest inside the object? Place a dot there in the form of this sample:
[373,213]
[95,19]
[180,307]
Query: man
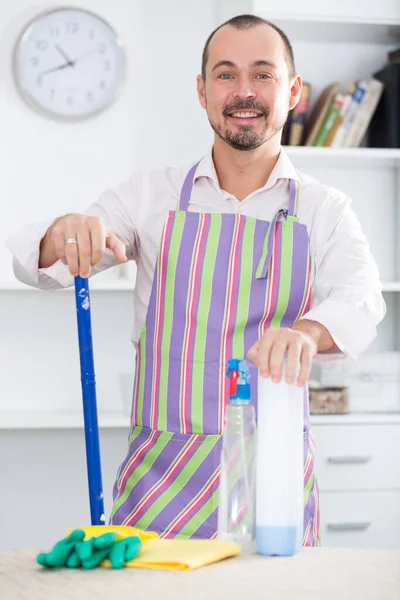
[239,255]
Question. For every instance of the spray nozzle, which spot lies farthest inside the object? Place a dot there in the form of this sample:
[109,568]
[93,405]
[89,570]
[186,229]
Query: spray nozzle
[239,376]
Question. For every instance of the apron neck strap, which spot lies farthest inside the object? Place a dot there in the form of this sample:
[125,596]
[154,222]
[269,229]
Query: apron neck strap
[187,188]
[293,197]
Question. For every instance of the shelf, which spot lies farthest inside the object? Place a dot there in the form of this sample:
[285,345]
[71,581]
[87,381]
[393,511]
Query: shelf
[57,420]
[391,286]
[117,286]
[347,157]
[325,29]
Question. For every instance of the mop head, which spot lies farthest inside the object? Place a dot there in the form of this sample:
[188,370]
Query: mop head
[74,551]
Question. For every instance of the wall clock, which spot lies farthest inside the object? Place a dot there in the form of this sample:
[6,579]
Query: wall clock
[69,64]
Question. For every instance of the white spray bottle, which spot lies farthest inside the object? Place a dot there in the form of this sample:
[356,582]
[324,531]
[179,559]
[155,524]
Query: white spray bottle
[279,495]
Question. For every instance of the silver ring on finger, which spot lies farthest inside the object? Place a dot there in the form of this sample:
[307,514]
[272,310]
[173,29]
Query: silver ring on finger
[70,241]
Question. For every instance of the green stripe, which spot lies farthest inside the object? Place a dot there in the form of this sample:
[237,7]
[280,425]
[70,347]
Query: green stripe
[285,272]
[174,487]
[174,247]
[263,253]
[308,487]
[201,322]
[141,373]
[136,431]
[144,467]
[200,516]
[243,292]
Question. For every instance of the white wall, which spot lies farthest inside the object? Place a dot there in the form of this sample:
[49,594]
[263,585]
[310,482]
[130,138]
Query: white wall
[48,168]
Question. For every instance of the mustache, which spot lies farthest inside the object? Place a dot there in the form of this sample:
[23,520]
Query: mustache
[245,106]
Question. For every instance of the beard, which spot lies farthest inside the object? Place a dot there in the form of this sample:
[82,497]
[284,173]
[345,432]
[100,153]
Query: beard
[245,138]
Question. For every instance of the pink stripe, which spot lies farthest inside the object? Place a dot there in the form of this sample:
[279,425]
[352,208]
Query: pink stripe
[233,281]
[191,508]
[316,512]
[142,506]
[307,534]
[194,285]
[135,459]
[136,392]
[308,468]
[158,325]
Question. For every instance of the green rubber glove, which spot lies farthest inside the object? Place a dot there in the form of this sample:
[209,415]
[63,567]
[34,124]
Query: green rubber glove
[124,550]
[59,555]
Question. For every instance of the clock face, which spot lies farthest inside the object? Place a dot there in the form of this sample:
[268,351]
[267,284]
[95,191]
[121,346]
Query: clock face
[69,64]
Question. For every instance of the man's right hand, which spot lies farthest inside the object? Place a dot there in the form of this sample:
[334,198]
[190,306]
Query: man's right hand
[91,241]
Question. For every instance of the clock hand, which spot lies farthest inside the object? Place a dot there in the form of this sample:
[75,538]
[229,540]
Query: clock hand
[64,66]
[70,62]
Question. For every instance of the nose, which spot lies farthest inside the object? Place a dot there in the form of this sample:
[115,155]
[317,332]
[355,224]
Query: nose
[244,88]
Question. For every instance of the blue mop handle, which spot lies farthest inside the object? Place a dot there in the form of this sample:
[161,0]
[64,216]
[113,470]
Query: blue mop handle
[93,460]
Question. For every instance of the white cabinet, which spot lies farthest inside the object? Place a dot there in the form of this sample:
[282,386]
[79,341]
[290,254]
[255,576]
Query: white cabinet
[358,473]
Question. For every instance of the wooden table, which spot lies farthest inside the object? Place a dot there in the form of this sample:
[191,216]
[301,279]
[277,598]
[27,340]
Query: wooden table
[313,574]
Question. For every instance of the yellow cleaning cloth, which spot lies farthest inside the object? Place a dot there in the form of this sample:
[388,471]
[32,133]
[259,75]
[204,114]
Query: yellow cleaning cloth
[171,555]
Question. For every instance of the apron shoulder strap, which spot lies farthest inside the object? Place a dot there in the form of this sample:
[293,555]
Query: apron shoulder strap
[293,197]
[187,188]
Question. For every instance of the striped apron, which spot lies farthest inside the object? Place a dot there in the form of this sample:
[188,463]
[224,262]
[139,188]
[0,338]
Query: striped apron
[220,281]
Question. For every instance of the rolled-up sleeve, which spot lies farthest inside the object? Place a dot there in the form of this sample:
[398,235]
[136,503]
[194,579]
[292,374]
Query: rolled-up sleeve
[25,243]
[346,293]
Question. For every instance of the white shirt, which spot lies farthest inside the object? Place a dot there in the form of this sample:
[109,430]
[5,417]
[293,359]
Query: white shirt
[345,288]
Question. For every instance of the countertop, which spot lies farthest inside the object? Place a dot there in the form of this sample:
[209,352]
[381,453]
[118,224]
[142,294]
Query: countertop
[313,574]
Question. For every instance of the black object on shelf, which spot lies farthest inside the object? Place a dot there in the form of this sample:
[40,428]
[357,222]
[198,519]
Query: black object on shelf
[384,129]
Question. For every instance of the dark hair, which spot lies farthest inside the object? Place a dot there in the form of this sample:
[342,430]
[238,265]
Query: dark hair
[246,22]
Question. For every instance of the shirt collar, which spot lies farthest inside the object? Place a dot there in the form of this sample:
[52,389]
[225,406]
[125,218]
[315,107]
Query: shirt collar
[283,169]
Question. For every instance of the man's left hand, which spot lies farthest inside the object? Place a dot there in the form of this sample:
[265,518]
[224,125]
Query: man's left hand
[299,344]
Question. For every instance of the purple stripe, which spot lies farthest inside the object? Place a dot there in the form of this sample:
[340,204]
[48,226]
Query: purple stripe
[187,494]
[149,346]
[214,326]
[299,273]
[292,196]
[277,269]
[182,275]
[187,188]
[207,529]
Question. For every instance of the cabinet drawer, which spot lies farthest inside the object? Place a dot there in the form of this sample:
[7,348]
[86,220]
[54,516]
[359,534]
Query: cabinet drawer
[360,519]
[357,457]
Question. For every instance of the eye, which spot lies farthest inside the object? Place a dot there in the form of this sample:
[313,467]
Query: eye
[225,76]
[264,76]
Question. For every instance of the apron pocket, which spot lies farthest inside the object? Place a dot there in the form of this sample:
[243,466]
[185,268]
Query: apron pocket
[168,483]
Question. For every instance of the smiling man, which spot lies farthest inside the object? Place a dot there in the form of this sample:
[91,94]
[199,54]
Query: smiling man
[238,255]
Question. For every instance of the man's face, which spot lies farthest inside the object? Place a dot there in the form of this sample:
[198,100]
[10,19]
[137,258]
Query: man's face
[248,89]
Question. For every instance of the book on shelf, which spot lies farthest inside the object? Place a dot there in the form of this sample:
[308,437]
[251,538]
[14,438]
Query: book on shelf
[349,116]
[327,124]
[298,117]
[384,130]
[364,113]
[339,119]
[319,112]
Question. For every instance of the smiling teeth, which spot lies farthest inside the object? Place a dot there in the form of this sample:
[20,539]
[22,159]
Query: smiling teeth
[245,115]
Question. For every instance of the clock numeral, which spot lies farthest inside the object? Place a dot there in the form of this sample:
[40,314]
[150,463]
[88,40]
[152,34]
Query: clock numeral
[103,84]
[89,97]
[102,48]
[106,65]
[70,101]
[91,34]
[39,81]
[52,94]
[42,45]
[54,31]
[35,61]
[72,27]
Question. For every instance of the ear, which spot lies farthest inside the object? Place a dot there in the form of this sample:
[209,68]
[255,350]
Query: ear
[295,91]
[201,91]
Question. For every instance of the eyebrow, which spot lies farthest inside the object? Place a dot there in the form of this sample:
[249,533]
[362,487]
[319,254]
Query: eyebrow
[256,63]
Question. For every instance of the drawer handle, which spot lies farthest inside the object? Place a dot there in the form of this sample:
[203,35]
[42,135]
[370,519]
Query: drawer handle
[361,526]
[348,460]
